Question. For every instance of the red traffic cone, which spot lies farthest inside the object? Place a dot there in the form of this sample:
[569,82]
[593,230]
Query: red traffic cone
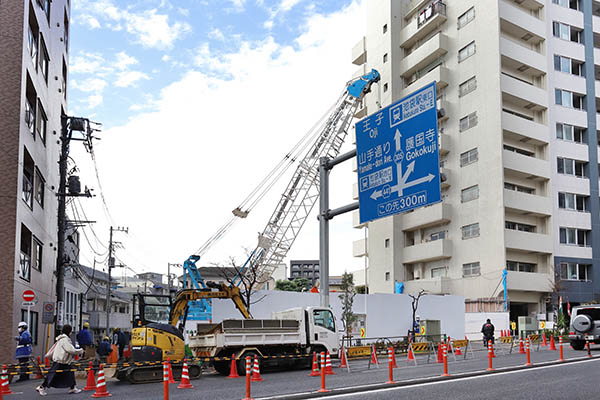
[457,351]
[521,347]
[47,362]
[4,386]
[171,379]
[38,369]
[315,366]
[91,382]
[374,359]
[185,378]
[552,344]
[440,357]
[233,371]
[394,365]
[544,342]
[411,355]
[343,361]
[256,371]
[101,385]
[328,369]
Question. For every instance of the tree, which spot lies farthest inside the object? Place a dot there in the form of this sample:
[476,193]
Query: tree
[415,306]
[294,285]
[361,289]
[347,299]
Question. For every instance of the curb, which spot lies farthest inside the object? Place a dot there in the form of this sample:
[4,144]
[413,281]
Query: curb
[419,381]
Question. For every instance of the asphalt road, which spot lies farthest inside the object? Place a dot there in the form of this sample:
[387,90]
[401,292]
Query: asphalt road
[216,387]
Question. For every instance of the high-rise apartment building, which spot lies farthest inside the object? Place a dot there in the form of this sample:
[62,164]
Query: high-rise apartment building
[519,85]
[34,37]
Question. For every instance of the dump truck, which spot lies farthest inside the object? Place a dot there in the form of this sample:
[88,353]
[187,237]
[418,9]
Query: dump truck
[287,339]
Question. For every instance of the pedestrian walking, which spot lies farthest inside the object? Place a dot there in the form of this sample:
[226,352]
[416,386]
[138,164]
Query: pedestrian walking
[85,341]
[23,351]
[488,332]
[104,349]
[60,374]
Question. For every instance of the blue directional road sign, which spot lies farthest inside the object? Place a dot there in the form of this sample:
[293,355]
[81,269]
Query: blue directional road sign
[398,157]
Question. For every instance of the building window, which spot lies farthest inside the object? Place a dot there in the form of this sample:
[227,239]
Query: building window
[44,59]
[39,187]
[42,122]
[25,260]
[32,324]
[568,65]
[437,236]
[518,150]
[30,116]
[570,133]
[387,243]
[568,166]
[566,32]
[574,271]
[467,87]
[518,188]
[574,236]
[469,157]
[471,269]
[574,4]
[520,266]
[572,201]
[28,177]
[46,7]
[385,58]
[517,226]
[387,276]
[439,272]
[470,193]
[32,41]
[66,32]
[37,256]
[71,300]
[470,231]
[568,99]
[64,79]
[466,52]
[466,17]
[385,87]
[385,28]
[468,122]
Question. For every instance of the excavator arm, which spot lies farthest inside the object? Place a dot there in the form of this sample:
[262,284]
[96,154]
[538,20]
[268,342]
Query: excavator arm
[223,291]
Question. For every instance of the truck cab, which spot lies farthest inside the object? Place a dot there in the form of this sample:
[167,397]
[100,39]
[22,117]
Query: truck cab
[320,328]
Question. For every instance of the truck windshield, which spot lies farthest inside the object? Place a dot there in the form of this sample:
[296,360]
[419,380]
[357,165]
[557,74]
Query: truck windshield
[324,318]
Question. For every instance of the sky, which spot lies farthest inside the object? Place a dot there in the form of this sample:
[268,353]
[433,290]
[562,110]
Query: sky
[199,99]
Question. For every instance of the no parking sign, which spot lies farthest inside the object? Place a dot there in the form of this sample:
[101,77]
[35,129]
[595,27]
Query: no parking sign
[48,313]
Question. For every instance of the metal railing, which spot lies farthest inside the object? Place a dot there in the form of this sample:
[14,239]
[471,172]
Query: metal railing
[431,11]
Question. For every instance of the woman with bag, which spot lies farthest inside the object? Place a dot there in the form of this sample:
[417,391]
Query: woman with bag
[60,374]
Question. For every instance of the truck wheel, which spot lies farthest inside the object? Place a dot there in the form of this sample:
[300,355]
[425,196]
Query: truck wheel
[241,363]
[222,367]
[577,344]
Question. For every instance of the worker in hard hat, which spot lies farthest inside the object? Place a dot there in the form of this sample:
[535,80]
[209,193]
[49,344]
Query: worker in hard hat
[23,351]
[104,349]
[85,341]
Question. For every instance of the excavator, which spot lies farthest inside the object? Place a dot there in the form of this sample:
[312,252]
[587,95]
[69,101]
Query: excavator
[159,322]
[157,332]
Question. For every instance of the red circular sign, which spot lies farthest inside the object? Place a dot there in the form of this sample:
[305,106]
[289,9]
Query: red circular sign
[28,295]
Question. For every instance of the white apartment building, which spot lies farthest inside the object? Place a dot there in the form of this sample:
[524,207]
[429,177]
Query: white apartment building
[517,81]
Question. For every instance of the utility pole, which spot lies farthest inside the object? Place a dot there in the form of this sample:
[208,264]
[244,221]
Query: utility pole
[68,126]
[111,265]
[169,274]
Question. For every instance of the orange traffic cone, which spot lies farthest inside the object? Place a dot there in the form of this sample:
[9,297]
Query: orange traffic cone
[343,361]
[411,355]
[374,359]
[4,386]
[552,344]
[315,366]
[101,386]
[185,378]
[521,347]
[233,371]
[440,357]
[91,382]
[38,369]
[457,351]
[256,371]
[328,369]
[171,379]
[544,342]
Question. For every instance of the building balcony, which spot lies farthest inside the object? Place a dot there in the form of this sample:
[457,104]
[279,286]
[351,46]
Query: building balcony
[445,144]
[527,242]
[436,214]
[572,184]
[443,108]
[427,251]
[523,94]
[596,25]
[596,56]
[360,71]
[439,285]
[528,281]
[356,220]
[355,191]
[524,203]
[448,177]
[439,74]
[359,52]
[359,248]
[573,251]
[361,111]
[519,18]
[413,7]
[427,53]
[425,22]
[525,166]
[525,130]
[522,57]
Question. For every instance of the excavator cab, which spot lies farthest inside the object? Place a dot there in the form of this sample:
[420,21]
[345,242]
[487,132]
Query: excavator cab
[149,308]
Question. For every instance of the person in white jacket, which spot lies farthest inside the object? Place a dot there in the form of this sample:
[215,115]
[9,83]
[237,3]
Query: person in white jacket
[63,354]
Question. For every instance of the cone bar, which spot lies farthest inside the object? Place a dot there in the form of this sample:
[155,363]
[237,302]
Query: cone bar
[165,381]
[248,373]
[445,356]
[390,365]
[560,347]
[101,385]
[490,367]
[185,377]
[323,390]
[91,382]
